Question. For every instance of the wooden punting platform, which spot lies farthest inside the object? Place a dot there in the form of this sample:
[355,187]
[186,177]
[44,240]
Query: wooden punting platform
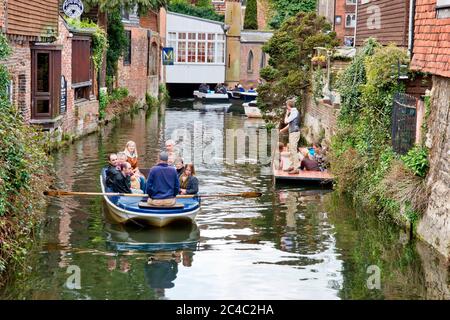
[316,177]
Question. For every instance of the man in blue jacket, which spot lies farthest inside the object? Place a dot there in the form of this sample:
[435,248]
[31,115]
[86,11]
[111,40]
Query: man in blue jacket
[163,185]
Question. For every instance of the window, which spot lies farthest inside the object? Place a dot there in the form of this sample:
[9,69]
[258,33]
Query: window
[349,41]
[127,55]
[125,14]
[81,67]
[443,9]
[350,20]
[263,60]
[191,51]
[220,53]
[350,2]
[211,52]
[45,82]
[193,47]
[250,62]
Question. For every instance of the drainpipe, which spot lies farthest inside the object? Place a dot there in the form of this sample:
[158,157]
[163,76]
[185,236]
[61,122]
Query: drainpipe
[412,11]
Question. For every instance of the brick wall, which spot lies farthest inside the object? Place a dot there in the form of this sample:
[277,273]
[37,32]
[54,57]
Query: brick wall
[435,224]
[341,10]
[320,121]
[431,40]
[134,76]
[69,120]
[19,67]
[149,21]
[250,79]
[2,15]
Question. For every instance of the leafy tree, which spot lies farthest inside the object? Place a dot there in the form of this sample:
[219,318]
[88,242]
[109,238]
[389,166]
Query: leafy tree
[112,5]
[251,15]
[290,49]
[204,4]
[285,9]
[183,7]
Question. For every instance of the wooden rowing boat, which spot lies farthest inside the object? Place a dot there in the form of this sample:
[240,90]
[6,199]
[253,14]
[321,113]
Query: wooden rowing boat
[127,209]
[312,177]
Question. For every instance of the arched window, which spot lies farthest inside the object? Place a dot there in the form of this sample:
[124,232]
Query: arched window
[263,60]
[250,62]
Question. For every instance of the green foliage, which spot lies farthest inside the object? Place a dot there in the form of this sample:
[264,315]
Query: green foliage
[290,49]
[118,43]
[5,49]
[205,12]
[113,5]
[204,4]
[417,160]
[251,15]
[119,94]
[103,103]
[318,83]
[151,101]
[362,156]
[24,173]
[164,95]
[99,39]
[284,9]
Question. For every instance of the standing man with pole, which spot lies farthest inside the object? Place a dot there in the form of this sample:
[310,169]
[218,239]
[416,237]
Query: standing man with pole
[292,124]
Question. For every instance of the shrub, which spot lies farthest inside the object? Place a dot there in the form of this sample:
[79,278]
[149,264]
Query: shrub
[205,12]
[251,15]
[417,161]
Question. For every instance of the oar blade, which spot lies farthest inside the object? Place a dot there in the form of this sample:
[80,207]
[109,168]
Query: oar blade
[55,193]
[251,194]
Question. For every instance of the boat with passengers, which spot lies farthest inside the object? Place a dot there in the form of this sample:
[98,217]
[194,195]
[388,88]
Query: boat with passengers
[126,209]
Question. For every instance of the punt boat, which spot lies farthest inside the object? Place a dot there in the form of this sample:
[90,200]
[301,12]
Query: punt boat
[324,178]
[252,110]
[129,209]
[210,96]
[242,96]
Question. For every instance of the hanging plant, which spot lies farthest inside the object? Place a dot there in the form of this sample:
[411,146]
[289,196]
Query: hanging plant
[99,39]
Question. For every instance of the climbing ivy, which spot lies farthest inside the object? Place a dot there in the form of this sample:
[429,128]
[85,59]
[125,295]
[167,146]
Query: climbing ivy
[99,39]
[251,15]
[284,9]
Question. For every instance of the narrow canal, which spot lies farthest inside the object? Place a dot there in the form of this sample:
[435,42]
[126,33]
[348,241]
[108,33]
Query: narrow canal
[293,243]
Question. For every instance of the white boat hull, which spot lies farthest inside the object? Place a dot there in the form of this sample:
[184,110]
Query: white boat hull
[157,220]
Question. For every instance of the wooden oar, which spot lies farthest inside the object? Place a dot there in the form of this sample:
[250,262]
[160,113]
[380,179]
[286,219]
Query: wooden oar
[62,193]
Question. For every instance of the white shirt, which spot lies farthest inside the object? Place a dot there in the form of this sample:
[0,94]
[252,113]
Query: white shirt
[292,116]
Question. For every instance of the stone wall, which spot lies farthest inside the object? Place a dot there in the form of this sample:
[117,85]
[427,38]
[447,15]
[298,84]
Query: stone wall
[249,77]
[319,121]
[434,227]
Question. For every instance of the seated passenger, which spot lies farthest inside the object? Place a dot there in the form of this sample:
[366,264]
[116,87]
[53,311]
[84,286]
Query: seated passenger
[223,89]
[179,165]
[163,185]
[203,88]
[252,90]
[171,152]
[320,156]
[188,181]
[111,170]
[132,155]
[122,158]
[241,88]
[307,163]
[121,182]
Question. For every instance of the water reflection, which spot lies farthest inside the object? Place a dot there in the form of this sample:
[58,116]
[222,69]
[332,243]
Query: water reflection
[165,249]
[292,243]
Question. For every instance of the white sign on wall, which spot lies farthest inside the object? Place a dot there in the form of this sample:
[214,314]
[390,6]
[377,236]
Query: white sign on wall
[73,8]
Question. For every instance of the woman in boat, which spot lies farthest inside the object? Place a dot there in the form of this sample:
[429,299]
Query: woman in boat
[179,165]
[188,181]
[132,155]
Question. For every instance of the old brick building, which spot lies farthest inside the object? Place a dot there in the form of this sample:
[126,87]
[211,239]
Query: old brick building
[342,16]
[431,54]
[140,69]
[49,88]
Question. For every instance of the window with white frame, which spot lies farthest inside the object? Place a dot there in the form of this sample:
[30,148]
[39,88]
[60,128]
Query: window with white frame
[197,47]
[350,20]
[350,2]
